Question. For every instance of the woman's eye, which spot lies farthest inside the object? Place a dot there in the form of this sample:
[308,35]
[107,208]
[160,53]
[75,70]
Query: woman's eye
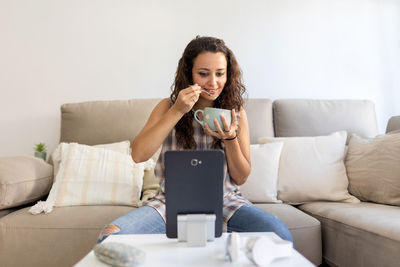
[220,74]
[203,74]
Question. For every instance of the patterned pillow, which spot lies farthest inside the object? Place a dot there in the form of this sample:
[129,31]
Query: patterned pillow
[95,176]
[122,147]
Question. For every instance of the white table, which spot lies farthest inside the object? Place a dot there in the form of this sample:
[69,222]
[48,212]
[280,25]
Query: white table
[162,251]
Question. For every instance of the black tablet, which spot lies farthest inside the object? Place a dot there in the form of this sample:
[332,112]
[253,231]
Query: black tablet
[193,185]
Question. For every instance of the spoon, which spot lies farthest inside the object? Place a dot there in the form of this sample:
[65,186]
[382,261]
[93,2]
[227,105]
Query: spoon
[207,93]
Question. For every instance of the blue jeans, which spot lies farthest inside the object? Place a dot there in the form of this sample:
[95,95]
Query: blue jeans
[146,220]
[252,219]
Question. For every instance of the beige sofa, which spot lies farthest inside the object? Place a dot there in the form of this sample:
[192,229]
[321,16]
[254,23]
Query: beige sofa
[339,234]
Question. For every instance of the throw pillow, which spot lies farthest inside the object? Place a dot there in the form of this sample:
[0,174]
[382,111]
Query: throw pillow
[150,181]
[23,180]
[95,176]
[373,168]
[261,185]
[123,147]
[312,169]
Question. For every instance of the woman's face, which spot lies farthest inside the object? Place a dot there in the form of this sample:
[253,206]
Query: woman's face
[209,71]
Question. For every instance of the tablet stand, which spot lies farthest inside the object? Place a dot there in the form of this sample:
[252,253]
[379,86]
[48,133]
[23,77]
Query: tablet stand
[196,229]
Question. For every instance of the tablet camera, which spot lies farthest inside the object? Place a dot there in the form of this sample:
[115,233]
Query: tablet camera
[195,162]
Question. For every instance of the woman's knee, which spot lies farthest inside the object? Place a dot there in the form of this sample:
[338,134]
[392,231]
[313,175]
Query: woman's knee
[284,233]
[274,224]
[253,219]
[107,231]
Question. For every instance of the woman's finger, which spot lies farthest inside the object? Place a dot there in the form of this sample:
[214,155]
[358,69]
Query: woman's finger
[218,127]
[187,98]
[196,95]
[234,118]
[192,89]
[209,131]
[225,123]
[190,95]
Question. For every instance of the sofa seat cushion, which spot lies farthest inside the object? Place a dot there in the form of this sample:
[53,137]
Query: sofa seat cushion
[66,235]
[5,212]
[305,230]
[60,238]
[363,234]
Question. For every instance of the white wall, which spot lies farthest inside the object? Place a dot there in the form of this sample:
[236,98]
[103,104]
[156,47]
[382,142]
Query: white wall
[54,52]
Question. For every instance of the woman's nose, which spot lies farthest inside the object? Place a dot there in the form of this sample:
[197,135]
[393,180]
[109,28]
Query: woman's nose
[213,80]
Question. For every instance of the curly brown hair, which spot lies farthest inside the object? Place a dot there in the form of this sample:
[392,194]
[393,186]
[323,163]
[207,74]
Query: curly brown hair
[230,98]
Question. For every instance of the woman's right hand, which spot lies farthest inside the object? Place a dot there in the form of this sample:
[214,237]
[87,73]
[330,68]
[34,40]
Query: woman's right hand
[187,98]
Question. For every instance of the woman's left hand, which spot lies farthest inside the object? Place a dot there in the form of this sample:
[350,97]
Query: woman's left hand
[225,131]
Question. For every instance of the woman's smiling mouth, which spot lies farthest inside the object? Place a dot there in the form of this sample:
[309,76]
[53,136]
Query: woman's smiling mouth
[210,92]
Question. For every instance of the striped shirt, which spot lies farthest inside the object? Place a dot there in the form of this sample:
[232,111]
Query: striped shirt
[232,199]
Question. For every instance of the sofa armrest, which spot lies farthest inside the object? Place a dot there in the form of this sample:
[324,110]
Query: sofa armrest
[23,180]
[393,124]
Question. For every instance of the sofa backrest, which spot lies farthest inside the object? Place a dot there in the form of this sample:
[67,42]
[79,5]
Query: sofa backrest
[259,116]
[305,117]
[101,122]
[393,124]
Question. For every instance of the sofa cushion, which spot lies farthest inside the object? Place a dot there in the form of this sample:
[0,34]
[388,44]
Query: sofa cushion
[363,234]
[262,183]
[60,238]
[23,180]
[102,122]
[305,117]
[150,181]
[6,211]
[66,235]
[259,116]
[312,169]
[373,168]
[393,124]
[305,230]
[85,171]
[123,147]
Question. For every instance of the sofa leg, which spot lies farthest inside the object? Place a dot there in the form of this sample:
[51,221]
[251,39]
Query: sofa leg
[325,264]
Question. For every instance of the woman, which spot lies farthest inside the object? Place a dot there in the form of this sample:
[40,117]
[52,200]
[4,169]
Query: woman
[207,76]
